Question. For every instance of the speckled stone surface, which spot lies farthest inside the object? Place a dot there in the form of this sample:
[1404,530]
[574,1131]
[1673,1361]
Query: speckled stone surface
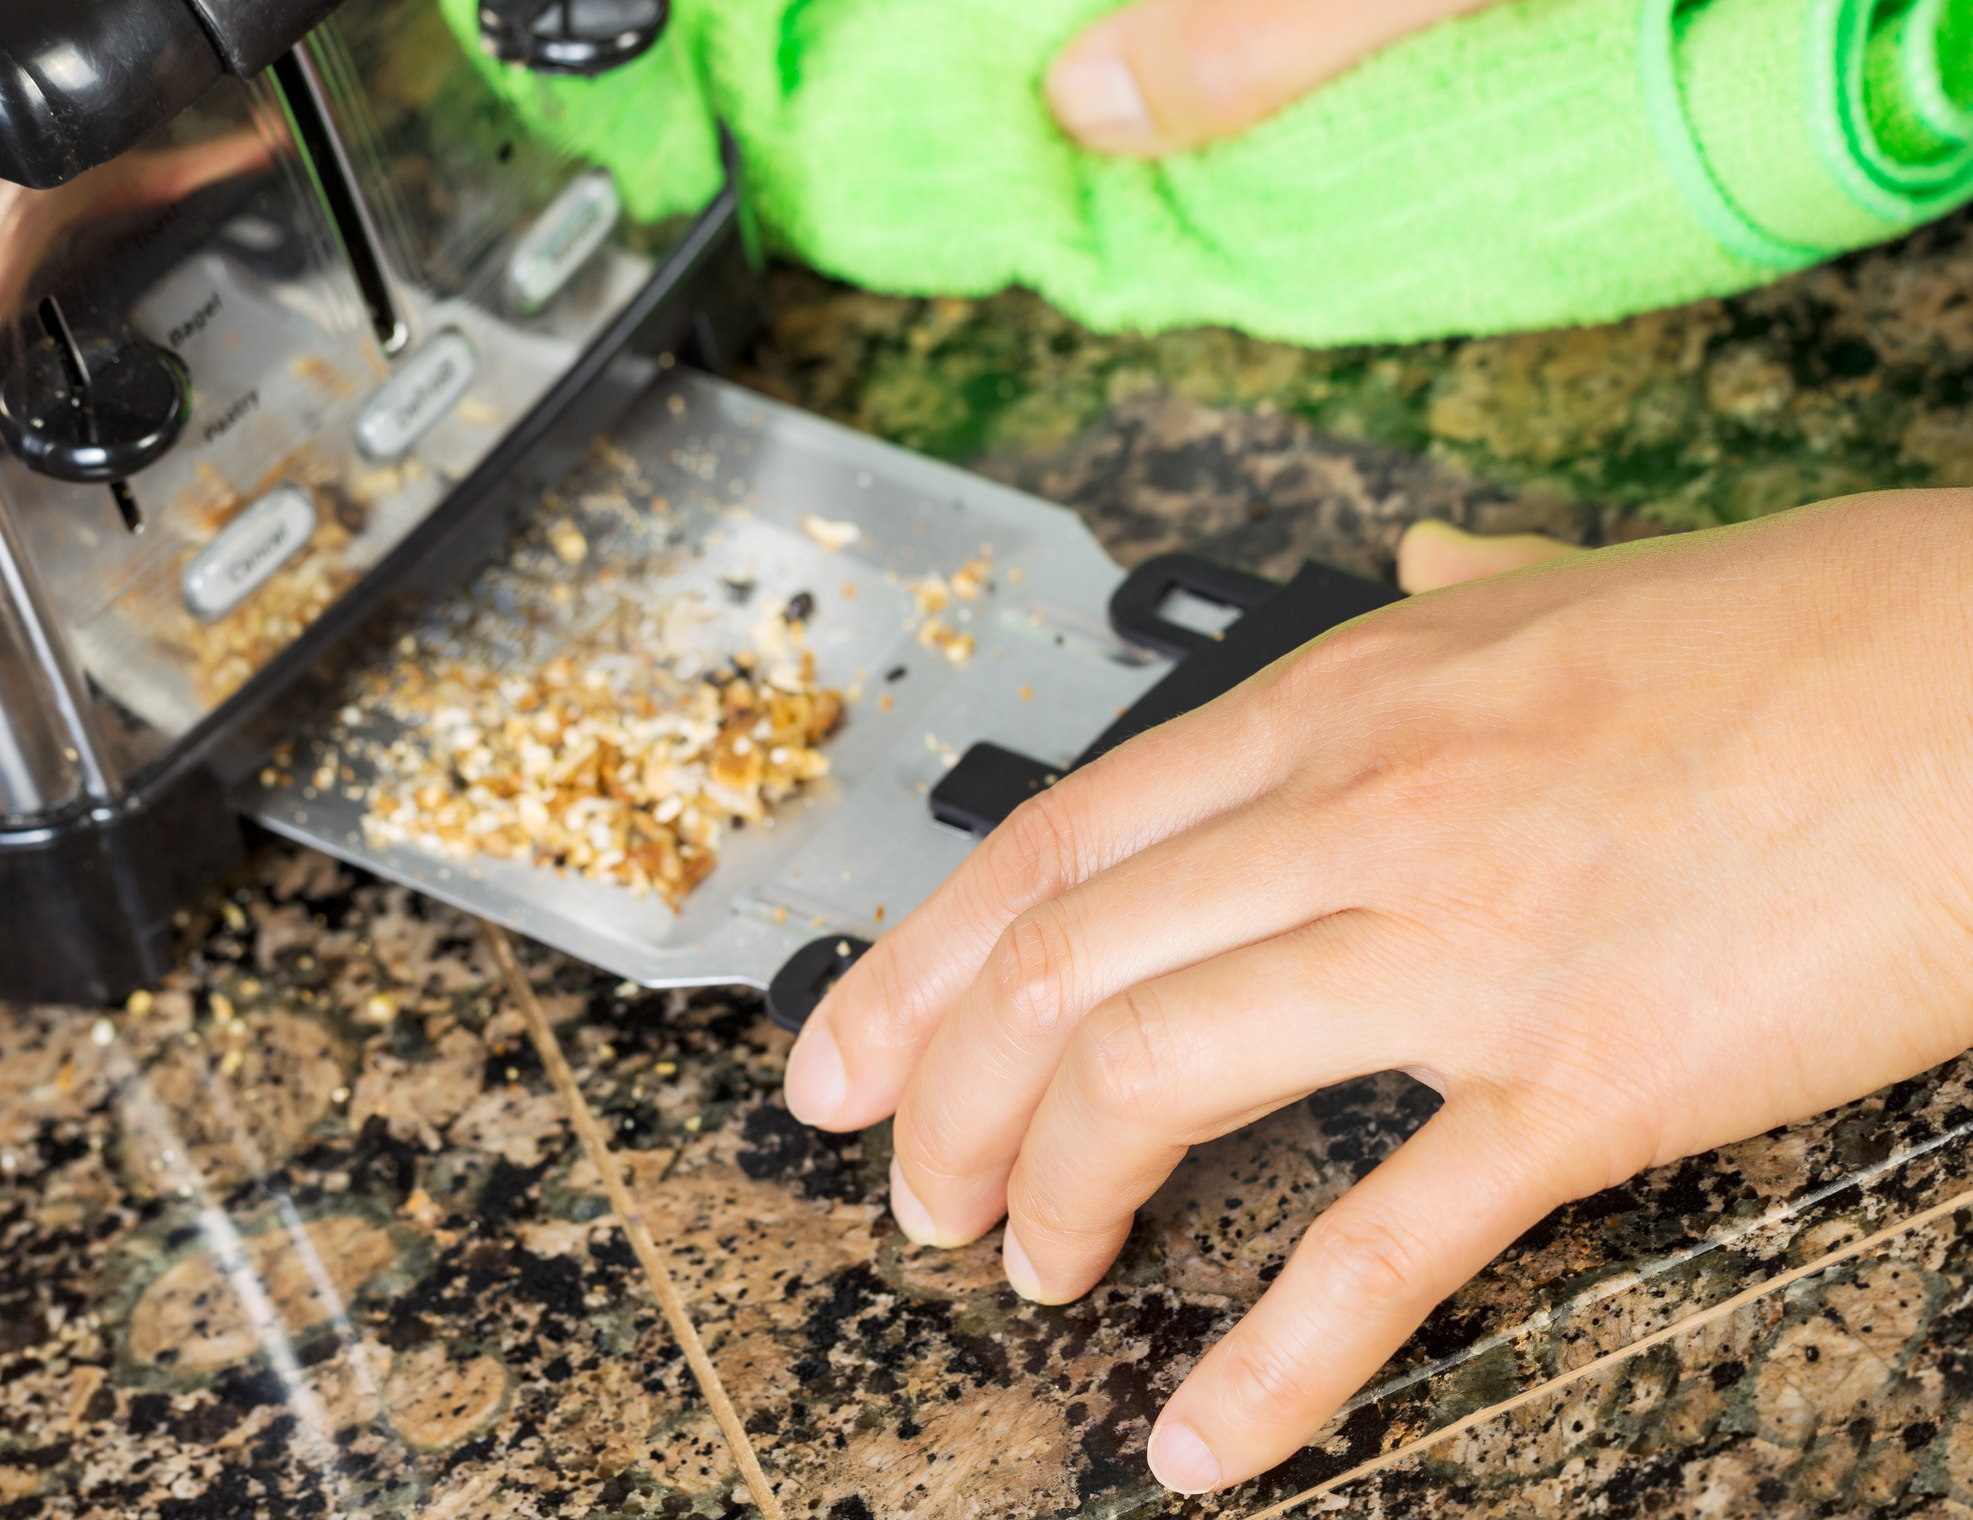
[306,1231]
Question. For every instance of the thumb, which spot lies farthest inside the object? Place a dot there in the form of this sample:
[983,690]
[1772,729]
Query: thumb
[1161,76]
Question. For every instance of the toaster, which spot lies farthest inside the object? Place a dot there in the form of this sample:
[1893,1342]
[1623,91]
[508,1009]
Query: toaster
[295,324]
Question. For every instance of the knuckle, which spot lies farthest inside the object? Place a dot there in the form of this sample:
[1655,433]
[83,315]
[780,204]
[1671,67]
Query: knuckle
[1130,1055]
[875,1008]
[1262,1383]
[1037,972]
[1036,853]
[1363,642]
[1043,1218]
[1371,1263]
[929,1143]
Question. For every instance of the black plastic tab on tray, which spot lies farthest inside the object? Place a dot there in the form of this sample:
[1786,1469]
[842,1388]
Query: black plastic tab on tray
[1137,606]
[986,785]
[1319,598]
[806,977]
[989,782]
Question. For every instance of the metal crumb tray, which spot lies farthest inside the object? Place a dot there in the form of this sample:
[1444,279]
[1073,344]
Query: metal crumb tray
[732,475]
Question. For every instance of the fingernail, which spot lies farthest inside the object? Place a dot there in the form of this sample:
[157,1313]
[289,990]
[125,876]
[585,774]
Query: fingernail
[1021,1275]
[817,1084]
[1181,1461]
[912,1216]
[1095,97]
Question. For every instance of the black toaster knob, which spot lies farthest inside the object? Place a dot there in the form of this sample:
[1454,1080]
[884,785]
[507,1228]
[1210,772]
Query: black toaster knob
[94,408]
[571,36]
[82,80]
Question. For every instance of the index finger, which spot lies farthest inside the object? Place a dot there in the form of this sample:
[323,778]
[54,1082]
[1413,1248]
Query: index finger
[850,1064]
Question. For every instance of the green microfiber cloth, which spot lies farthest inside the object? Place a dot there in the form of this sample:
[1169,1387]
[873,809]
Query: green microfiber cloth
[1535,164]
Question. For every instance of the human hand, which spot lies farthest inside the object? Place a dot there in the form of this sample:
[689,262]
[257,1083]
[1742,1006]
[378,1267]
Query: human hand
[1160,76]
[1629,855]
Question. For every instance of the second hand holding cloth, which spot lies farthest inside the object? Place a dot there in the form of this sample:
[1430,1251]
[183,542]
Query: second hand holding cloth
[1535,164]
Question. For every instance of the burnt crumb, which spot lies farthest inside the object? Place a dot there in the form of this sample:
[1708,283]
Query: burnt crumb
[896,673]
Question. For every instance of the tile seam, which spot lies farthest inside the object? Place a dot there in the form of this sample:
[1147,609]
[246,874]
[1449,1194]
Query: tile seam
[1639,1277]
[1741,1300]
[609,1167]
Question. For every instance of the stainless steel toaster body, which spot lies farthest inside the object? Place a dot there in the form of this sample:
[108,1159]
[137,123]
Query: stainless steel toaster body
[299,353]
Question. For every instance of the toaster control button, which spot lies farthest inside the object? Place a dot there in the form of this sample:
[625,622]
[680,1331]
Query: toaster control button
[426,386]
[248,550]
[561,241]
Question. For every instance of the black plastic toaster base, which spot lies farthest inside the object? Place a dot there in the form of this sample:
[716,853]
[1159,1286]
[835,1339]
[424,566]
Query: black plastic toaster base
[86,903]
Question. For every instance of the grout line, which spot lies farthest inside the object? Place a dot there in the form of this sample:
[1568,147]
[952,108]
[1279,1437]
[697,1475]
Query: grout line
[1626,1282]
[1590,1368]
[610,1168]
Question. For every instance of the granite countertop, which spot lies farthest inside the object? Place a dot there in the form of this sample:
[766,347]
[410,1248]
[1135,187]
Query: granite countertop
[305,1229]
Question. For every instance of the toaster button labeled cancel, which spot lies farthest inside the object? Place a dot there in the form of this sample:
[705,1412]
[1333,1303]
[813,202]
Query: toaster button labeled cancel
[555,247]
[248,550]
[426,386]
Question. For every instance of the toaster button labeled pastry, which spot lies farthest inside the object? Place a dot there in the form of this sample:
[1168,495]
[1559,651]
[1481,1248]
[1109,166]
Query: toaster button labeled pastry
[426,386]
[562,240]
[248,550]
